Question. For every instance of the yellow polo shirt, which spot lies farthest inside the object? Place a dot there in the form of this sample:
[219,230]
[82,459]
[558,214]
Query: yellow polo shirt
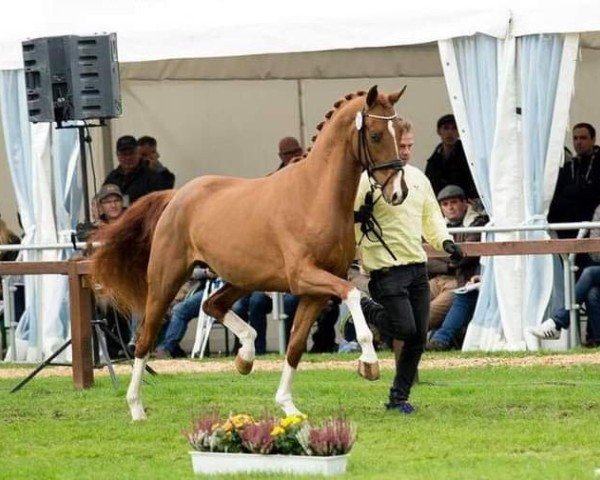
[404,226]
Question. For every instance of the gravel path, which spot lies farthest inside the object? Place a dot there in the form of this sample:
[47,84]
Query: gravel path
[430,362]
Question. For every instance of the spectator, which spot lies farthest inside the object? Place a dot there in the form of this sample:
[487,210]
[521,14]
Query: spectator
[186,307]
[458,213]
[150,156]
[587,290]
[109,203]
[457,318]
[254,308]
[577,191]
[448,163]
[400,284]
[133,177]
[290,151]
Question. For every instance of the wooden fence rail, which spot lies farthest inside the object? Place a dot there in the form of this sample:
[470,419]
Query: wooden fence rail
[80,291]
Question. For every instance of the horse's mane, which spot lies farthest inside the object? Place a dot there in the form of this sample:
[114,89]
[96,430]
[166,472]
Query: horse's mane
[336,106]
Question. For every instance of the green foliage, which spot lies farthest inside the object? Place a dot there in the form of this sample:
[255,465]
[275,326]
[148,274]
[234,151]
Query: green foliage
[471,423]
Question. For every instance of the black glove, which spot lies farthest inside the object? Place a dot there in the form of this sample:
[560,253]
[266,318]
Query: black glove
[456,254]
[365,211]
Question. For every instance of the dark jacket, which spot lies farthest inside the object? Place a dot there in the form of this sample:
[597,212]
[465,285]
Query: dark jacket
[137,183]
[453,170]
[577,192]
[468,266]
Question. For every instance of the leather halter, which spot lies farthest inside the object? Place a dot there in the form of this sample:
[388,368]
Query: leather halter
[366,159]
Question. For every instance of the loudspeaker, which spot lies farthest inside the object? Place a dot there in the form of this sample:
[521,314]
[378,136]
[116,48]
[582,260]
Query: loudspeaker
[72,78]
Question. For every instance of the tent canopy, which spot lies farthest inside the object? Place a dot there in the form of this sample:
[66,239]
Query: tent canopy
[156,30]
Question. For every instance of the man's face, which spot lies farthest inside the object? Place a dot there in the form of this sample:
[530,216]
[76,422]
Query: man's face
[583,142]
[454,208]
[407,142]
[129,159]
[448,133]
[149,154]
[111,207]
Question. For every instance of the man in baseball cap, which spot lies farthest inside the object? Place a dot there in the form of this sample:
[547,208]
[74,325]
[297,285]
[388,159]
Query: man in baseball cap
[110,203]
[132,176]
[450,313]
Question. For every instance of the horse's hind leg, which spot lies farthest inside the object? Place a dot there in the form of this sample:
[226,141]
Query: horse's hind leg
[308,309]
[314,281]
[218,305]
[166,273]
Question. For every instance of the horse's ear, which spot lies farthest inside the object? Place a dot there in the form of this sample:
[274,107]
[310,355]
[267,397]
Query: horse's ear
[372,96]
[394,97]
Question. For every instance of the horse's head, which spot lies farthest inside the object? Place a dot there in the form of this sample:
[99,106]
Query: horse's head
[379,134]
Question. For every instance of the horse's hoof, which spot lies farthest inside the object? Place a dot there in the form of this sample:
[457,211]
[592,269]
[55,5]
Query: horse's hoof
[370,371]
[243,366]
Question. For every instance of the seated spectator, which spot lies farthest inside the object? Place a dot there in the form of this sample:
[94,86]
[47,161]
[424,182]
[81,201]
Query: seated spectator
[185,308]
[448,163]
[109,203]
[254,308]
[150,156]
[577,191]
[458,317]
[587,290]
[132,176]
[458,213]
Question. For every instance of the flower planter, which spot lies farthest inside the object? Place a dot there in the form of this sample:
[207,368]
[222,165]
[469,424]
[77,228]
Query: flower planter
[216,462]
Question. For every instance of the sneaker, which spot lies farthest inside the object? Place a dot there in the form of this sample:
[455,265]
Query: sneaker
[547,330]
[403,407]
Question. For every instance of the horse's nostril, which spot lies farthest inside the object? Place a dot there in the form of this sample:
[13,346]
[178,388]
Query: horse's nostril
[394,197]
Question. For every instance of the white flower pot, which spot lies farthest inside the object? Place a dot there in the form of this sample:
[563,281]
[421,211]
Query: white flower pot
[216,462]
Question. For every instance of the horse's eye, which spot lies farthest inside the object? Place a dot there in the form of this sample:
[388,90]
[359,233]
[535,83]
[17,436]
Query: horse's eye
[375,137]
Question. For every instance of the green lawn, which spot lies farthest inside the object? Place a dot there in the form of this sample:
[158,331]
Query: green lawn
[476,423]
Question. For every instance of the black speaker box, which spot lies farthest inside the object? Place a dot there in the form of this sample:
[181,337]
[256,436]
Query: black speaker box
[72,78]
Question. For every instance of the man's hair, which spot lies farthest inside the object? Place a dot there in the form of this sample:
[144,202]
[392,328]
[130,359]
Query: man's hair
[406,125]
[147,140]
[588,127]
[445,120]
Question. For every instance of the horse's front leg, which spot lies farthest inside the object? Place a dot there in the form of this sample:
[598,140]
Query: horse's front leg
[306,313]
[315,281]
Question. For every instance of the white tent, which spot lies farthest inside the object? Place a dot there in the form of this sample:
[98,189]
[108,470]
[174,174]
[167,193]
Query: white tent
[167,46]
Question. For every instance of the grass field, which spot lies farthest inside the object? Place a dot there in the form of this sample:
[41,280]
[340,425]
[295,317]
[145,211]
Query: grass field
[472,423]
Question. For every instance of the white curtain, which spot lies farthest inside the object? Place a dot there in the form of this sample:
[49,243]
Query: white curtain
[41,329]
[67,201]
[515,172]
[547,68]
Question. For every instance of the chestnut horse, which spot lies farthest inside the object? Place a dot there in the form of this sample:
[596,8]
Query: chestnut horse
[292,231]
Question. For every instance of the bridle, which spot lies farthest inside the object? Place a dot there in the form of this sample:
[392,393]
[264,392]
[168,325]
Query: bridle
[368,223]
[366,159]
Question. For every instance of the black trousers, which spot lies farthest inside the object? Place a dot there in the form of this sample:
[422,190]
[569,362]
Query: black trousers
[404,293]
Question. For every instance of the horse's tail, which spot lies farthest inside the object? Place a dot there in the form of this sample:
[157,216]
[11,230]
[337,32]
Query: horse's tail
[120,265]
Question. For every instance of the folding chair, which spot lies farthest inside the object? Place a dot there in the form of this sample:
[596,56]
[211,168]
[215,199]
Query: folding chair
[206,322]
